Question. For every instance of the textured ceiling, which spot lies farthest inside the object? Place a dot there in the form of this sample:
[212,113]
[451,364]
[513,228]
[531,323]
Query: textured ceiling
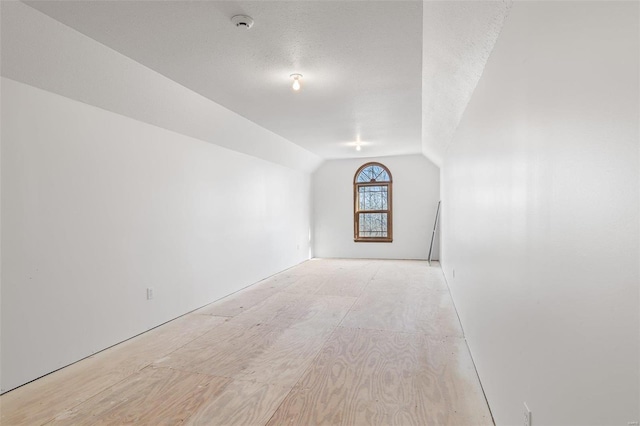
[458,38]
[362,63]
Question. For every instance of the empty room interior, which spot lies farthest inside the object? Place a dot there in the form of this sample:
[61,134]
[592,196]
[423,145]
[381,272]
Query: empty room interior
[320,212]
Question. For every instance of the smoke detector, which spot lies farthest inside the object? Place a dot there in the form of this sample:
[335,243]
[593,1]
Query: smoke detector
[242,21]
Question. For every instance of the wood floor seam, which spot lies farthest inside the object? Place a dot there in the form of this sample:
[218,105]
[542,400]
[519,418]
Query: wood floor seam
[53,417]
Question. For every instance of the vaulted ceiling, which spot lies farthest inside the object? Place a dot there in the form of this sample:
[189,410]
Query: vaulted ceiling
[371,72]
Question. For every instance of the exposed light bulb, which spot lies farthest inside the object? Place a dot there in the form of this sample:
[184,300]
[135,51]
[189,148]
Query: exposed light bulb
[358,147]
[296,81]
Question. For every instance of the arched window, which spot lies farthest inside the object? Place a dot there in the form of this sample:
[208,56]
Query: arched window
[372,204]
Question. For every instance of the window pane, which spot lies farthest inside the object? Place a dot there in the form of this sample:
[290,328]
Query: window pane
[372,225]
[373,198]
[373,173]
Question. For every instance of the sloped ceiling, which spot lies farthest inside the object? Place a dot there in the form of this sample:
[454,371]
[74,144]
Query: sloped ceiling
[458,37]
[394,75]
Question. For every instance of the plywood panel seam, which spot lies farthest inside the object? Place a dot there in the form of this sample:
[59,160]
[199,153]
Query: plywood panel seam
[359,296]
[184,370]
[425,333]
[92,395]
[280,404]
[453,302]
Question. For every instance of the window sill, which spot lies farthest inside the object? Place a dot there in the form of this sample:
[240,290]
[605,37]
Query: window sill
[373,240]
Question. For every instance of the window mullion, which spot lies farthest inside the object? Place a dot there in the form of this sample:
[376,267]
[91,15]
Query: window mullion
[374,225]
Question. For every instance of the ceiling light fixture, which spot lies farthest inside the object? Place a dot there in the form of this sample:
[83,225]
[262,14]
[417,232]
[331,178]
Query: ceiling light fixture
[358,147]
[296,81]
[242,21]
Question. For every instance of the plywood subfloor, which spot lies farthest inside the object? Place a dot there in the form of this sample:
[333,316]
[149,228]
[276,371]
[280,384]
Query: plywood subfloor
[330,341]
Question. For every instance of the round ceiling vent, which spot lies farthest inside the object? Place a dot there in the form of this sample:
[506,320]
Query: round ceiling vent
[242,21]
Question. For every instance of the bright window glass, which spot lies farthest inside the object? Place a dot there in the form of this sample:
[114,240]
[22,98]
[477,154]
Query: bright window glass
[372,202]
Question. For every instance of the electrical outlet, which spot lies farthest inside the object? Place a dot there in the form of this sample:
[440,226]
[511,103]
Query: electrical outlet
[149,293]
[526,418]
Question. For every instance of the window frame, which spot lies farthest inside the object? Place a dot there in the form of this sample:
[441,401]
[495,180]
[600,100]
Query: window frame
[356,212]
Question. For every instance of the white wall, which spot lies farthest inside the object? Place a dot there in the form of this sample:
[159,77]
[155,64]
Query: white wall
[96,207]
[540,194]
[416,187]
[101,202]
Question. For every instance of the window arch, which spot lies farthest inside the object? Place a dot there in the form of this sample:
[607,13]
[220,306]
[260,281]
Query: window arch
[372,218]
